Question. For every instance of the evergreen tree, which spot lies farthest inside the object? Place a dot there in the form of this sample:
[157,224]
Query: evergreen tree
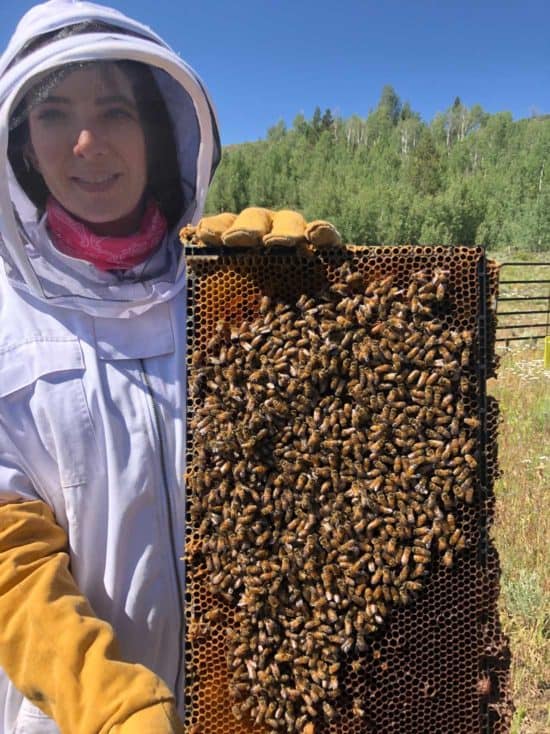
[327,121]
[390,105]
[423,170]
[317,120]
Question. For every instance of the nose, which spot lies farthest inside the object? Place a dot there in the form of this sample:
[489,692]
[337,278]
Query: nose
[88,144]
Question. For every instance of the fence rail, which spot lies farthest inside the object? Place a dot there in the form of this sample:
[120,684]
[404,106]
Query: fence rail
[507,320]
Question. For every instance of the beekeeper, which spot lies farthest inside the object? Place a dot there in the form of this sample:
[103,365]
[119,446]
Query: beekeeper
[108,142]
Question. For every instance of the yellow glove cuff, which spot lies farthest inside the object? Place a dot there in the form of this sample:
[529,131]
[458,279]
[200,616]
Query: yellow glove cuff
[159,719]
[53,648]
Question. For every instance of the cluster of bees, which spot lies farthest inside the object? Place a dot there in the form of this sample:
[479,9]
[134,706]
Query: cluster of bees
[332,444]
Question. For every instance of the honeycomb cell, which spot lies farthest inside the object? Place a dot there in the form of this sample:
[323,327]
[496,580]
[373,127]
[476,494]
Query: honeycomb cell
[437,660]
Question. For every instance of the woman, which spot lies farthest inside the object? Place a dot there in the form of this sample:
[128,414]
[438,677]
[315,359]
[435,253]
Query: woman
[108,143]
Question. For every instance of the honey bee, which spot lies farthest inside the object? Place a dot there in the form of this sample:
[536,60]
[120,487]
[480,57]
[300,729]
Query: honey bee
[357,708]
[471,461]
[468,445]
[471,422]
[440,292]
[484,686]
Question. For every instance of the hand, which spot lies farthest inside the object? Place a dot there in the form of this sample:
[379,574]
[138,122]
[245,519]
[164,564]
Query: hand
[257,226]
[158,719]
[51,640]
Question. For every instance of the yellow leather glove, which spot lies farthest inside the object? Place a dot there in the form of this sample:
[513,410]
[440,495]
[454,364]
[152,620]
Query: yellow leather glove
[157,719]
[287,228]
[211,229]
[249,227]
[55,650]
[257,226]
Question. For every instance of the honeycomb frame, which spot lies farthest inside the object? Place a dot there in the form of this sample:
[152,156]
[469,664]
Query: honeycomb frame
[440,664]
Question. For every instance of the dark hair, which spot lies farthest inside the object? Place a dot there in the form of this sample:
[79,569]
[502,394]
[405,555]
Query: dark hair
[163,175]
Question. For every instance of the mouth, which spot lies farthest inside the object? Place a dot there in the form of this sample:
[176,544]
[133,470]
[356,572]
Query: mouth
[97,183]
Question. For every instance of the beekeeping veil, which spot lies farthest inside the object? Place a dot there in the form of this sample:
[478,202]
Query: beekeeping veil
[51,40]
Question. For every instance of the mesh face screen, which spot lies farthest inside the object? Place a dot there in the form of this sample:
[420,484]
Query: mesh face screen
[341,461]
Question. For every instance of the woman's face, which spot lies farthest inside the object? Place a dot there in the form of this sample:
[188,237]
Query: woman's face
[87,142]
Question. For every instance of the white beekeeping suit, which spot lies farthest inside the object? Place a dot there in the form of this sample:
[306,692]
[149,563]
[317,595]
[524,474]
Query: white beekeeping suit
[92,367]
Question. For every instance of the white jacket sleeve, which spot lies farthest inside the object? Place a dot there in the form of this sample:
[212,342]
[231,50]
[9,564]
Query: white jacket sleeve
[15,485]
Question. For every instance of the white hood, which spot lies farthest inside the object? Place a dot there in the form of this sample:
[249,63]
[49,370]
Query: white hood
[32,264]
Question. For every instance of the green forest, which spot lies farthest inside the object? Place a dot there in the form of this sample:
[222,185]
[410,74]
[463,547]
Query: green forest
[467,177]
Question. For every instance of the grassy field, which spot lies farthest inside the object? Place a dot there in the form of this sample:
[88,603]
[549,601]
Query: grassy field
[522,525]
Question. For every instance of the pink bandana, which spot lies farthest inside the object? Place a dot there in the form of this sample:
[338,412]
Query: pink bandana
[74,238]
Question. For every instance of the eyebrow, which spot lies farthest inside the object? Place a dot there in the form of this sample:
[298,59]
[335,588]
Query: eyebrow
[116,99]
[106,100]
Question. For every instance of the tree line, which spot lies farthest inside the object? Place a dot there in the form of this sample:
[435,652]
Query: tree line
[467,177]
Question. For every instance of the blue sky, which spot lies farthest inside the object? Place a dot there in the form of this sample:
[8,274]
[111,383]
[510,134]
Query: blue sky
[265,61]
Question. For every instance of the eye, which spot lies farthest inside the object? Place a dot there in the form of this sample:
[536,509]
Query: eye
[119,113]
[51,114]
